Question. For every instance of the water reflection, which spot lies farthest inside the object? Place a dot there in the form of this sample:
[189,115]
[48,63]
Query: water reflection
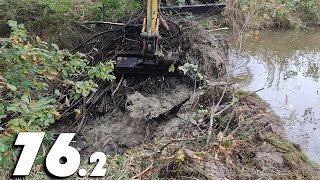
[286,64]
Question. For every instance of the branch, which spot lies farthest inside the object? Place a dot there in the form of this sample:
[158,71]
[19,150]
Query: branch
[118,86]
[213,114]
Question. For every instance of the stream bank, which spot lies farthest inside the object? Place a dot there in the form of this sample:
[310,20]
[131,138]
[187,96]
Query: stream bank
[285,63]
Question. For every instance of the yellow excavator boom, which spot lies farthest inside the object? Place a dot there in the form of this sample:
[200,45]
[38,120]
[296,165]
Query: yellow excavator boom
[151,59]
[152,19]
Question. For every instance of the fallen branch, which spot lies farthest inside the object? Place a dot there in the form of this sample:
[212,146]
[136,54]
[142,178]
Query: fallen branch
[84,110]
[140,174]
[214,114]
[118,86]
[112,23]
[218,29]
[254,92]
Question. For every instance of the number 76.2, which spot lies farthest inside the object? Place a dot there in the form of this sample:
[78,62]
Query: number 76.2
[60,149]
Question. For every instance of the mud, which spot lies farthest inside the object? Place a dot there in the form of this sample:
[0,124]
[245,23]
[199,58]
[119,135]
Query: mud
[208,50]
[152,106]
[136,125]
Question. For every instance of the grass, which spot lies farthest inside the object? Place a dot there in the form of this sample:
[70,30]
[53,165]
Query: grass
[295,158]
[59,22]
[276,13]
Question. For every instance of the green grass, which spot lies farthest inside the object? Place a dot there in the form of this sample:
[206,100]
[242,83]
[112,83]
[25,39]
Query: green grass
[57,21]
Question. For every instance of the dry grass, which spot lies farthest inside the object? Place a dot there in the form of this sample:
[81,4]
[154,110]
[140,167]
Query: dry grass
[258,14]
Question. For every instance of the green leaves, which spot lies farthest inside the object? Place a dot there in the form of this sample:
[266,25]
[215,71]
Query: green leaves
[12,23]
[25,99]
[11,87]
[60,8]
[3,148]
[103,71]
[31,115]
[34,76]
[172,68]
[191,70]
[57,92]
[14,107]
[180,157]
[83,88]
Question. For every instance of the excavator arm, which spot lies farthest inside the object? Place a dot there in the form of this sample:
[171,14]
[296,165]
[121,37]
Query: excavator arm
[152,17]
[150,31]
[151,59]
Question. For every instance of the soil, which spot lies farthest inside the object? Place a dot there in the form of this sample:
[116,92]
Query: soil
[210,49]
[137,123]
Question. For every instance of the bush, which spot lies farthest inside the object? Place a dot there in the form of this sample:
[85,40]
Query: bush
[35,78]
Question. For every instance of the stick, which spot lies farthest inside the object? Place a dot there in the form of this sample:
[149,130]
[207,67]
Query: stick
[213,114]
[83,115]
[140,174]
[210,126]
[251,94]
[118,86]
[218,29]
[104,22]
[111,23]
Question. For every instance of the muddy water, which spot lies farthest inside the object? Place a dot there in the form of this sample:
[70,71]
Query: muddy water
[286,65]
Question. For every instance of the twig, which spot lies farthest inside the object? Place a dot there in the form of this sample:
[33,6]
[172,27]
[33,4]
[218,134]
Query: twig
[84,110]
[71,107]
[210,126]
[218,29]
[112,23]
[90,145]
[213,114]
[104,22]
[118,86]
[251,94]
[140,174]
[230,119]
[98,96]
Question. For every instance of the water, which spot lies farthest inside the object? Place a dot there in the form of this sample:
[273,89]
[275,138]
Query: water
[286,65]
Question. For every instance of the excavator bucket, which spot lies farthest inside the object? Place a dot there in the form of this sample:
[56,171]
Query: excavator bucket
[135,63]
[202,10]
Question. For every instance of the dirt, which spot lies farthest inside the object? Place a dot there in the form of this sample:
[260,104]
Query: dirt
[142,115]
[209,50]
[152,106]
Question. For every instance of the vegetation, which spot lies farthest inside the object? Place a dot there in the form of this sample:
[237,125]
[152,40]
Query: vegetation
[37,82]
[59,21]
[273,13]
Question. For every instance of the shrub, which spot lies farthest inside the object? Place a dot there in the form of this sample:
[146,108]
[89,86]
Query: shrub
[36,77]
